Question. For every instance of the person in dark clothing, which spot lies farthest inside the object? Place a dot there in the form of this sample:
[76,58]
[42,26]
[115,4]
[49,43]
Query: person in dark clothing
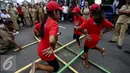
[121,3]
[21,14]
[129,29]
[65,12]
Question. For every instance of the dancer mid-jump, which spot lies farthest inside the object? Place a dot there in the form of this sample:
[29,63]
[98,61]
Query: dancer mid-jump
[94,25]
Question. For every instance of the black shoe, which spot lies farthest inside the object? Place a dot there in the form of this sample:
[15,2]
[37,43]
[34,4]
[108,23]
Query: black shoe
[3,51]
[128,52]
[129,33]
[112,41]
[119,46]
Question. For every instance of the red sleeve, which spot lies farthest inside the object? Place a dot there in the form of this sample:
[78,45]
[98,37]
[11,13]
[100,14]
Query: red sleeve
[53,30]
[82,19]
[38,26]
[85,24]
[107,24]
[74,19]
[19,10]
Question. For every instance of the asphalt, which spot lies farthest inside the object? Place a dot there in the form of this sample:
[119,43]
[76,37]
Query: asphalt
[116,61]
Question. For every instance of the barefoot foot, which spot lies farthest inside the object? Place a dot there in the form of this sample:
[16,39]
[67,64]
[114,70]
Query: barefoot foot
[103,52]
[85,64]
[33,68]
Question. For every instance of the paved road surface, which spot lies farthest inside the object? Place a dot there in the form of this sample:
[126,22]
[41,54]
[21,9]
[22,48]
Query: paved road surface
[115,60]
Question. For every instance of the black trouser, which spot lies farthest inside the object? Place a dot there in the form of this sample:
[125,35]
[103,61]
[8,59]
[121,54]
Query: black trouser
[71,15]
[128,29]
[22,19]
[87,48]
[65,16]
[76,36]
[54,63]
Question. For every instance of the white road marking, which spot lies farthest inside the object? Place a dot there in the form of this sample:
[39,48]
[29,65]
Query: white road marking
[62,27]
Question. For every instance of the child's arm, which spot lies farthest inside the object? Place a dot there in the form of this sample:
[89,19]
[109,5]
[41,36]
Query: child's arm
[108,27]
[85,26]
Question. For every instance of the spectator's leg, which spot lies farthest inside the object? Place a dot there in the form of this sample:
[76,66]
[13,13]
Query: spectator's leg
[122,34]
[22,19]
[64,17]
[116,32]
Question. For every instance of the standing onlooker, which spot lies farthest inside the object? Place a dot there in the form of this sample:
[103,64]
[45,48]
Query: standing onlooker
[36,8]
[33,13]
[61,12]
[13,13]
[27,16]
[44,8]
[65,12]
[70,12]
[121,25]
[85,11]
[21,15]
[40,13]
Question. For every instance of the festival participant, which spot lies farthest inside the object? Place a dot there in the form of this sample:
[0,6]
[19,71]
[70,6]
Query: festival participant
[33,13]
[6,39]
[85,11]
[27,16]
[21,14]
[40,12]
[13,14]
[65,12]
[121,25]
[94,25]
[77,20]
[48,31]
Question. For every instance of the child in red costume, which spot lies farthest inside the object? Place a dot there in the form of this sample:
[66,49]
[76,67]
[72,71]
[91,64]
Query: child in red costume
[48,30]
[77,20]
[94,25]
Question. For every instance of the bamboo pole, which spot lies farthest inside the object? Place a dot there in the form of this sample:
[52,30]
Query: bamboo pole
[26,46]
[65,64]
[91,62]
[27,66]
[61,70]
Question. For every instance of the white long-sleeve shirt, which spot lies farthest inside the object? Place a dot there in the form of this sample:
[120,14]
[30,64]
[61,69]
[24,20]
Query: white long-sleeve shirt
[5,15]
[65,9]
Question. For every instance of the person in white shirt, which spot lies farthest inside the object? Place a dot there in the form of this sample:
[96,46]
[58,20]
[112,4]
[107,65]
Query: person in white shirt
[65,12]
[4,14]
[7,21]
[99,2]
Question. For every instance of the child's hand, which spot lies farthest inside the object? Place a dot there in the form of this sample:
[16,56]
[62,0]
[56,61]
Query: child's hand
[88,37]
[47,52]
[101,34]
[76,26]
[76,23]
[19,47]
